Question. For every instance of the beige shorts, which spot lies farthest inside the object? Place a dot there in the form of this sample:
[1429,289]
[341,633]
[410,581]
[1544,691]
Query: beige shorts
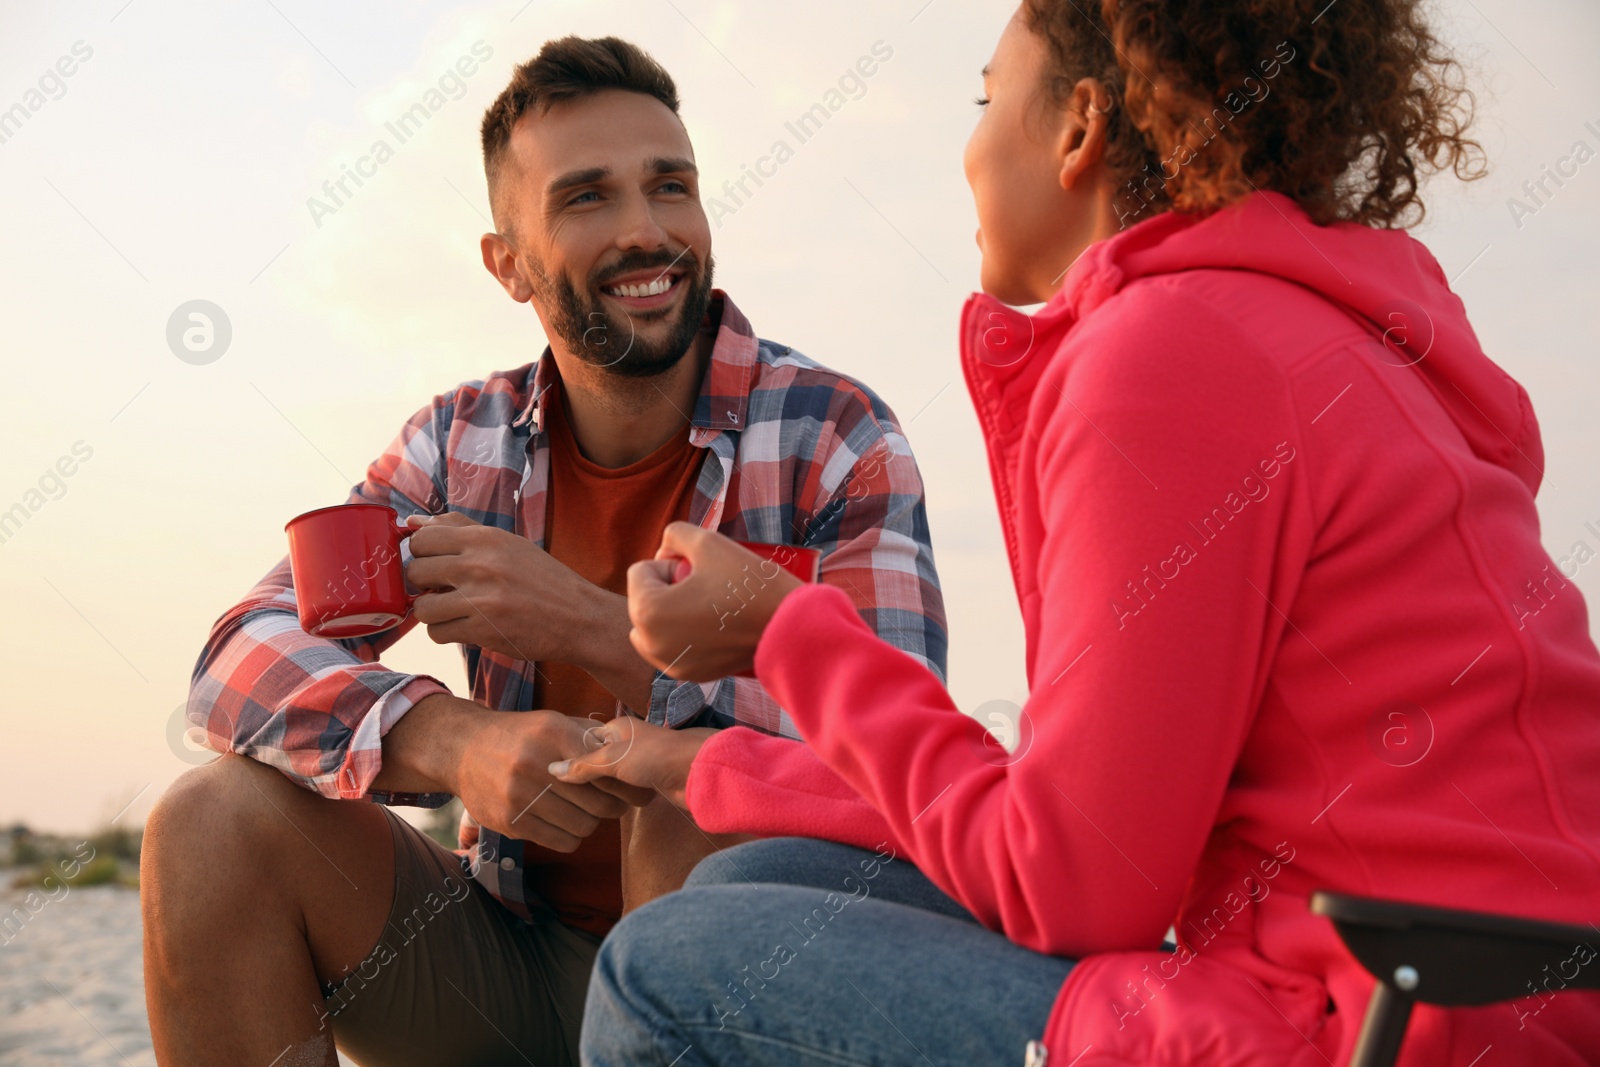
[457,977]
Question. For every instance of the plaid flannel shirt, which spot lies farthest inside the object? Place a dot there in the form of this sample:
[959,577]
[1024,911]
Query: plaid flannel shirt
[793,453]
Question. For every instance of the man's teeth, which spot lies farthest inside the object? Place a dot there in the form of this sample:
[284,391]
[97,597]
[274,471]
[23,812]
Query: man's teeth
[655,288]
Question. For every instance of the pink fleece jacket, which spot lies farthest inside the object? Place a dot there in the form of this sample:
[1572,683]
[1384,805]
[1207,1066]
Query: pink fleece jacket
[1270,514]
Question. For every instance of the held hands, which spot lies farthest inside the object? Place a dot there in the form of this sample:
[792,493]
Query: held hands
[546,777]
[503,779]
[481,586]
[707,624]
[636,753]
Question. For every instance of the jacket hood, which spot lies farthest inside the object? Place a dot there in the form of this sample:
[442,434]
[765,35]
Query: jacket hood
[1385,278]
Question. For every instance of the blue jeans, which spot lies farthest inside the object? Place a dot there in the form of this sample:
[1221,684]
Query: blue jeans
[797,952]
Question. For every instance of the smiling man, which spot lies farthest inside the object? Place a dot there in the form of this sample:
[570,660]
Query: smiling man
[279,915]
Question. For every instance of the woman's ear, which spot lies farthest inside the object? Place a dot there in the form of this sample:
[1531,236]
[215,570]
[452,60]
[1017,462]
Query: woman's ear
[1085,121]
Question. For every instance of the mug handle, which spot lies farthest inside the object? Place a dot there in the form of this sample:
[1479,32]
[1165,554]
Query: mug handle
[406,531]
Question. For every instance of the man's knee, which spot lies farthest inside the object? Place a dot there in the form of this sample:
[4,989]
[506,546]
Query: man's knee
[217,806]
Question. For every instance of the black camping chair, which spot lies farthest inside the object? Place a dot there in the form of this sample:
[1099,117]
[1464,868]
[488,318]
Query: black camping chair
[1450,958]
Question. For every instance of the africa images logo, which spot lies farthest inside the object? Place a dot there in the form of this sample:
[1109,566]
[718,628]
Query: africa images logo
[1007,734]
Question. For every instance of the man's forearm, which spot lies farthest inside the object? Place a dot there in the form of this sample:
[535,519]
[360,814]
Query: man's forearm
[422,752]
[606,653]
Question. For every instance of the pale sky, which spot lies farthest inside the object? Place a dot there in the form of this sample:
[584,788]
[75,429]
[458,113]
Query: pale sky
[176,162]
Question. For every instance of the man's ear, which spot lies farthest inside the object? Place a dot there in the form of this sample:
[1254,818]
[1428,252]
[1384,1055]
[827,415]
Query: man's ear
[1085,120]
[500,260]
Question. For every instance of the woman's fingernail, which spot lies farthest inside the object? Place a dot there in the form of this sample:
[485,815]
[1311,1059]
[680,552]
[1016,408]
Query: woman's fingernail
[559,767]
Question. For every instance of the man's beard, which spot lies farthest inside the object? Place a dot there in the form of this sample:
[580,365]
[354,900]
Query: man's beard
[601,340]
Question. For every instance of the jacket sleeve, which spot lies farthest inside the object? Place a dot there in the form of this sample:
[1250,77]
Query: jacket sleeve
[315,708]
[743,781]
[859,499]
[1147,660]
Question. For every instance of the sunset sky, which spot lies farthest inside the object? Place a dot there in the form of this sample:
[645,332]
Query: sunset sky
[168,151]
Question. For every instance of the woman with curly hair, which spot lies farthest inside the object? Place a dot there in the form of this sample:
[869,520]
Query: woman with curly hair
[1270,514]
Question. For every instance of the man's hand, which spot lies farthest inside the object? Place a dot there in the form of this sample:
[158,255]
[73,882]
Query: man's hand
[491,588]
[497,762]
[499,591]
[505,783]
[637,753]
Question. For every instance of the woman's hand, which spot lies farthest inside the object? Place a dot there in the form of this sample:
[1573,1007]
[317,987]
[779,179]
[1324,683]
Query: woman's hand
[637,753]
[706,625]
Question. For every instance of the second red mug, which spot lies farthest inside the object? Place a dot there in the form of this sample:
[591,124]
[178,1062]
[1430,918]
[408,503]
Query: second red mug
[802,562]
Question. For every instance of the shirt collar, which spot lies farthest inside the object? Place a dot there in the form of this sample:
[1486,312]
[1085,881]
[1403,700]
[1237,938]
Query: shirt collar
[724,399]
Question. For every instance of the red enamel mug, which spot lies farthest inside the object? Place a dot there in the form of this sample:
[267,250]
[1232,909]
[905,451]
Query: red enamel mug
[349,580]
[804,563]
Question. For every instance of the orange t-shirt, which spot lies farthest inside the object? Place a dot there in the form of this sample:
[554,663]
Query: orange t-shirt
[598,522]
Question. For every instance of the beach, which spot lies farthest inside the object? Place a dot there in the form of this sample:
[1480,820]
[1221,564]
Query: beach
[71,981]
[71,985]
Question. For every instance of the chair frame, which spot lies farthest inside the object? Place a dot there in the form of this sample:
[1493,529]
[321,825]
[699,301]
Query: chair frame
[1427,955]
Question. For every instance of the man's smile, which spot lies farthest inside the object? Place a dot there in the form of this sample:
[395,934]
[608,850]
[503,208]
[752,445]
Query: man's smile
[647,290]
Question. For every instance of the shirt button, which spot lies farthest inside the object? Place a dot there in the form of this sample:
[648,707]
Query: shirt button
[506,863]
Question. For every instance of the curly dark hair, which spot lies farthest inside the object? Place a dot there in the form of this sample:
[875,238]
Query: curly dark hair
[1346,107]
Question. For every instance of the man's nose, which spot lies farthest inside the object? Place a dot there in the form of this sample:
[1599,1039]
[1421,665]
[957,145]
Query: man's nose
[640,227]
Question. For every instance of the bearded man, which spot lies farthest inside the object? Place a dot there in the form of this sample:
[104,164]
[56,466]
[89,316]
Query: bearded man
[282,915]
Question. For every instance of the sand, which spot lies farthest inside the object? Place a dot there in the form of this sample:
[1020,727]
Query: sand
[71,982]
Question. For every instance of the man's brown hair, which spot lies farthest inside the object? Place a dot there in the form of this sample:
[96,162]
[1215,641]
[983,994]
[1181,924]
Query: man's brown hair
[567,69]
